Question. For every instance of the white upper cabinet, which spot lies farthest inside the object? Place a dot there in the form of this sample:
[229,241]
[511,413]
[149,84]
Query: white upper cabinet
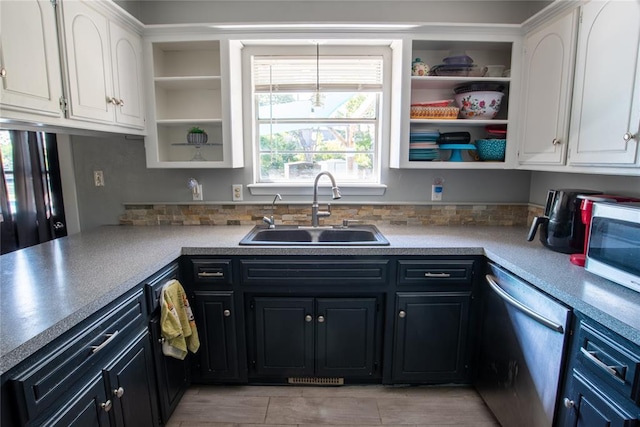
[546,90]
[126,56]
[30,82]
[605,117]
[194,83]
[104,63]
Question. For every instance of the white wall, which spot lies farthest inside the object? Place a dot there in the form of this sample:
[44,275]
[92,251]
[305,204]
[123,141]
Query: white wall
[541,182]
[127,180]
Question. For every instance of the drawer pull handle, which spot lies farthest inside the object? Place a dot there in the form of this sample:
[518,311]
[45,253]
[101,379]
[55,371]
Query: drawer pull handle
[427,274]
[106,406]
[226,313]
[119,392]
[591,355]
[209,274]
[110,337]
[402,314]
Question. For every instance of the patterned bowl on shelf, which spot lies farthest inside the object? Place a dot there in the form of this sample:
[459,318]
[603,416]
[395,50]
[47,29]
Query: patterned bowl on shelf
[491,149]
[483,105]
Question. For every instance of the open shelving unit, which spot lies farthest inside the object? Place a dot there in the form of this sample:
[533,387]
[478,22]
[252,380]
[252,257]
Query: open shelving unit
[191,88]
[421,89]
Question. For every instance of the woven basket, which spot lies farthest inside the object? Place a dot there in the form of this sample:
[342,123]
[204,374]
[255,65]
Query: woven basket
[419,111]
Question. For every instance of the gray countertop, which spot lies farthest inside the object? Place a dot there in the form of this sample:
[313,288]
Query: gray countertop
[49,288]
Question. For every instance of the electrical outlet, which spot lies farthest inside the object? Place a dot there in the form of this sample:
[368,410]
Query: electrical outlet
[436,192]
[98,178]
[236,192]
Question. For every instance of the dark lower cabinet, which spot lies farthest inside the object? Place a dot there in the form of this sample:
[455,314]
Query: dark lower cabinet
[602,386]
[87,408]
[431,331]
[322,337]
[131,384]
[218,353]
[591,407]
[173,375]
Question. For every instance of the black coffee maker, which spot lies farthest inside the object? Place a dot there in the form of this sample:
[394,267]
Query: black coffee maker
[561,228]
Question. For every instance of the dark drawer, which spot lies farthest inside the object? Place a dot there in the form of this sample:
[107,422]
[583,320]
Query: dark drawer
[153,285]
[59,368]
[611,359]
[314,272]
[418,272]
[211,271]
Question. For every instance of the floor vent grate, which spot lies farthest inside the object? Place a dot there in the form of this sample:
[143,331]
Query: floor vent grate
[316,380]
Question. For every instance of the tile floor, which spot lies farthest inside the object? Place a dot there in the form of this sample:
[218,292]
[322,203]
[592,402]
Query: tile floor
[361,405]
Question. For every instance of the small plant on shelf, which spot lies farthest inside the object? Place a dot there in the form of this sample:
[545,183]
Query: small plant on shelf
[197,136]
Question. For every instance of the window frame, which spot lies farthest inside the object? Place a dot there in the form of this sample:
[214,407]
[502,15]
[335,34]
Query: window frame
[307,46]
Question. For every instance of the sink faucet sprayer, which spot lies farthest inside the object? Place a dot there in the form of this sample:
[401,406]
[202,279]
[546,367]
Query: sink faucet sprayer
[335,191]
[270,220]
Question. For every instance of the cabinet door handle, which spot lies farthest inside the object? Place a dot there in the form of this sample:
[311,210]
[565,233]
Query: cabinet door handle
[3,72]
[428,274]
[628,136]
[210,274]
[555,141]
[120,103]
[320,319]
[308,318]
[591,355]
[402,314]
[118,392]
[106,406]
[112,100]
[226,313]
[568,403]
[110,337]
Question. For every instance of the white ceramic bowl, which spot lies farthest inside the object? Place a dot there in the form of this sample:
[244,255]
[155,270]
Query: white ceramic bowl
[479,105]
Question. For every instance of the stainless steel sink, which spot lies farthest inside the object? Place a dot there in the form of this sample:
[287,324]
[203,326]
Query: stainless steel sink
[360,235]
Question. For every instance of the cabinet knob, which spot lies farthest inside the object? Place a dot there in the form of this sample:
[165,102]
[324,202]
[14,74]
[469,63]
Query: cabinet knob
[120,103]
[112,100]
[118,392]
[106,406]
[320,319]
[308,318]
[568,403]
[3,72]
[628,136]
[402,314]
[226,313]
[555,141]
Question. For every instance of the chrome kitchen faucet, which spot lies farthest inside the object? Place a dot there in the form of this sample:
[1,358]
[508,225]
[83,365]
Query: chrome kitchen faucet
[335,191]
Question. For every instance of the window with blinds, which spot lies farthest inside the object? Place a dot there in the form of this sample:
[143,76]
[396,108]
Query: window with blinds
[318,112]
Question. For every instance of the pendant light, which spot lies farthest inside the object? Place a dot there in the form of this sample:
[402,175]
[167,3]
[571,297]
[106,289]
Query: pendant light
[316,99]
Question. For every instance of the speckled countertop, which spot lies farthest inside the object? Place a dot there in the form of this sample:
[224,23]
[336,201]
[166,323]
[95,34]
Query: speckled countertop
[47,289]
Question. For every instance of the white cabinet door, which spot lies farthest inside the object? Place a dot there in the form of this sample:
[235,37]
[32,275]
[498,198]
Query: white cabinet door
[126,57]
[606,95]
[31,80]
[88,61]
[548,71]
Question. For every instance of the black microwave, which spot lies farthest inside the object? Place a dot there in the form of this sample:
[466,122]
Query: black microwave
[614,243]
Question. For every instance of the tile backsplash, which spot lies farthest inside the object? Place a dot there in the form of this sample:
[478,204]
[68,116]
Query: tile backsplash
[294,214]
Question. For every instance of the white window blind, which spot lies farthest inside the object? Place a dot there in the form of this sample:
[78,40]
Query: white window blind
[303,73]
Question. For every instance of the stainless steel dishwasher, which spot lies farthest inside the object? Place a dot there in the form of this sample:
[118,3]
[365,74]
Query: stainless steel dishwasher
[522,348]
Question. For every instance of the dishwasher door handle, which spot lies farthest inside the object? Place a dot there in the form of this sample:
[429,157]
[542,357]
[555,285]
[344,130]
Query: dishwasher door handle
[492,281]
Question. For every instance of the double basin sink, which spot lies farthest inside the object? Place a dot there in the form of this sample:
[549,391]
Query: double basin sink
[361,235]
